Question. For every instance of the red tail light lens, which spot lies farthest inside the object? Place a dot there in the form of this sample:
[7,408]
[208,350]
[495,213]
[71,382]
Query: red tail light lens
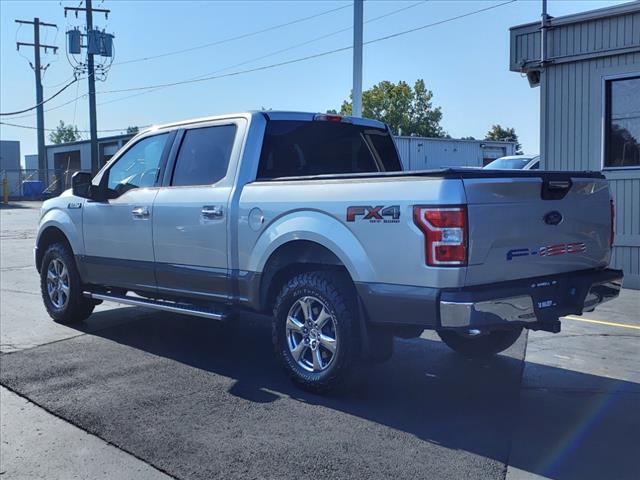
[445,233]
[612,232]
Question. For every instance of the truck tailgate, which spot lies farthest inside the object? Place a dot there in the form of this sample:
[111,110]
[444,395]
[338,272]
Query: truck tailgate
[532,226]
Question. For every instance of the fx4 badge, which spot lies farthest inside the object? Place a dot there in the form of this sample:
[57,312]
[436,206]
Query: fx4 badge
[550,251]
[379,214]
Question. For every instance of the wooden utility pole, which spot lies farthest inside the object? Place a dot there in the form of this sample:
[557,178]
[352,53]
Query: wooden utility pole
[37,68]
[93,123]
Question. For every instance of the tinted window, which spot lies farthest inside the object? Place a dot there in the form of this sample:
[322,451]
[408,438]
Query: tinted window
[204,155]
[296,148]
[622,128]
[138,166]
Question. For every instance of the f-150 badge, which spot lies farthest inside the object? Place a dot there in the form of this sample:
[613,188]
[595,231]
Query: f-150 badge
[378,214]
[549,251]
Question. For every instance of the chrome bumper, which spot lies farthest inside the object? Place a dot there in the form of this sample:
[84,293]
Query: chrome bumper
[468,314]
[543,301]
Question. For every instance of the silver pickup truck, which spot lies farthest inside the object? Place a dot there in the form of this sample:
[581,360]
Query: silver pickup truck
[310,218]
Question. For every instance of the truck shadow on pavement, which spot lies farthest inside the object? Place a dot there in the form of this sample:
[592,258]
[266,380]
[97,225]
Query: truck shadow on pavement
[201,399]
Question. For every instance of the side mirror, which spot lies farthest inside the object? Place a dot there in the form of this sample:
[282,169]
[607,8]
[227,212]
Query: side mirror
[81,185]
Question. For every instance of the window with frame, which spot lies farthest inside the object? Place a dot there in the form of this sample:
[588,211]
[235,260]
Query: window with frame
[622,123]
[298,148]
[138,166]
[204,155]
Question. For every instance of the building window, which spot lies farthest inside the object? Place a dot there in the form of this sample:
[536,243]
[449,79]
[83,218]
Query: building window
[622,123]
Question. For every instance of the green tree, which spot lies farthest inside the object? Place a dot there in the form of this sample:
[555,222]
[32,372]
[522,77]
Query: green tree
[497,132]
[401,107]
[64,133]
[133,130]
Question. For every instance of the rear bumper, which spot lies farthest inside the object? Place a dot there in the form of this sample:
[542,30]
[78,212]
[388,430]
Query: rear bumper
[535,303]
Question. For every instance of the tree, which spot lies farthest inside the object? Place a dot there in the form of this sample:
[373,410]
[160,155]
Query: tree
[64,133]
[133,130]
[497,132]
[403,108]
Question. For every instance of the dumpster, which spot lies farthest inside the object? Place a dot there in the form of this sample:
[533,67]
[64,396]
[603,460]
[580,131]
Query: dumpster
[32,188]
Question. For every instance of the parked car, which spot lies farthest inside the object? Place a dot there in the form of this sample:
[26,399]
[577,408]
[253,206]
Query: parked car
[515,162]
[311,220]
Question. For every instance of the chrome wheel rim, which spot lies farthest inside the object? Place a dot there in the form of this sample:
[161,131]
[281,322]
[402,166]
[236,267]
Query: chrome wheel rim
[312,334]
[58,283]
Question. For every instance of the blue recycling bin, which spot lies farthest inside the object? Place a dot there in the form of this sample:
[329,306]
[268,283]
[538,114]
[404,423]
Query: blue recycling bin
[32,188]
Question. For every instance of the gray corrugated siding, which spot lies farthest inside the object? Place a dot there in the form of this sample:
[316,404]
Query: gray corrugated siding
[572,112]
[423,153]
[588,38]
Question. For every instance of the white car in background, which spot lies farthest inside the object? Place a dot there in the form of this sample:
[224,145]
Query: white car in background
[515,162]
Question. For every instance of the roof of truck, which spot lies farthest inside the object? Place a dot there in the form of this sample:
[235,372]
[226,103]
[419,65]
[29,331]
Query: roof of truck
[270,115]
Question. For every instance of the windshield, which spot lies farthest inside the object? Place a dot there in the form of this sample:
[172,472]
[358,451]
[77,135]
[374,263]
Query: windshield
[508,163]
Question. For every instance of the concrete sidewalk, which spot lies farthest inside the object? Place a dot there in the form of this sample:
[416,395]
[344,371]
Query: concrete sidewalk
[36,445]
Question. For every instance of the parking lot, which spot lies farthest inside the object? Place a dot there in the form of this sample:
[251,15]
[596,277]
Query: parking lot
[134,393]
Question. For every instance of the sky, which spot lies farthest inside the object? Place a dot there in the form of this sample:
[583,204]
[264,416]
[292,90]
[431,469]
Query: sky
[464,62]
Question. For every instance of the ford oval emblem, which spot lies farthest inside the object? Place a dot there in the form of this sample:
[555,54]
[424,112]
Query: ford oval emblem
[553,218]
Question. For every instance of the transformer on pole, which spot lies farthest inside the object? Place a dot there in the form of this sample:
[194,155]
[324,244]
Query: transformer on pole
[98,43]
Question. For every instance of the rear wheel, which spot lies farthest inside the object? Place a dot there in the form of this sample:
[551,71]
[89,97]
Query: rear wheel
[61,287]
[315,332]
[481,345]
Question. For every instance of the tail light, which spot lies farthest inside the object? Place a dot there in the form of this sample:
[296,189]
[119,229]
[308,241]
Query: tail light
[613,224]
[445,234]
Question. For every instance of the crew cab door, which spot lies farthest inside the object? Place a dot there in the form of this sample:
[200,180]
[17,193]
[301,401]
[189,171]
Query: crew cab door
[118,232]
[191,214]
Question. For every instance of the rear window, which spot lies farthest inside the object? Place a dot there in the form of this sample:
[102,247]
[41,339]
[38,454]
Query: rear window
[203,158]
[299,148]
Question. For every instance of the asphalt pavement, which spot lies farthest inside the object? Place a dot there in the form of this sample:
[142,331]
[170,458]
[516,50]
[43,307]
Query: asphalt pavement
[135,393]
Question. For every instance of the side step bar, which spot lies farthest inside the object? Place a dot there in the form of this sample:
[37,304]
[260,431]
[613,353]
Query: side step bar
[184,309]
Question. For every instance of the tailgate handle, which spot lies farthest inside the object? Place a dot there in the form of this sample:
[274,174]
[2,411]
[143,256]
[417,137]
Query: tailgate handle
[555,189]
[559,184]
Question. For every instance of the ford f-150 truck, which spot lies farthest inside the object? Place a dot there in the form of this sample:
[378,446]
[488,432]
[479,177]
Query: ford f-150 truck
[310,219]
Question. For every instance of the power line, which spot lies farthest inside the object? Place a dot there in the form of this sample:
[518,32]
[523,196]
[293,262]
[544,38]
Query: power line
[292,47]
[231,39]
[53,129]
[275,65]
[307,57]
[43,101]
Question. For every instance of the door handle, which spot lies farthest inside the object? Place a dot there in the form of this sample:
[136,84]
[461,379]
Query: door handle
[140,212]
[212,212]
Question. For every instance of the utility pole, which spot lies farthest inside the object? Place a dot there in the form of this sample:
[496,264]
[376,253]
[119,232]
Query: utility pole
[93,124]
[37,68]
[357,58]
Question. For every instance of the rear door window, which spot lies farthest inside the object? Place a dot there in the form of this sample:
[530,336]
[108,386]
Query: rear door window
[298,148]
[204,155]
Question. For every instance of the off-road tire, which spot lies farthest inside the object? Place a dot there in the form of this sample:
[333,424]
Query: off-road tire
[338,295]
[484,345]
[77,307]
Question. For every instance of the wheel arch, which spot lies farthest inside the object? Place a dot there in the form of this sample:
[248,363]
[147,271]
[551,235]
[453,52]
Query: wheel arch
[290,259]
[56,227]
[300,241]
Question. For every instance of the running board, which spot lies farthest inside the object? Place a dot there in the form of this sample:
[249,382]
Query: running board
[158,305]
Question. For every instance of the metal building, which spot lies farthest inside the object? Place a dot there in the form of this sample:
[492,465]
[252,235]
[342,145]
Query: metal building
[590,107]
[75,156]
[9,161]
[423,153]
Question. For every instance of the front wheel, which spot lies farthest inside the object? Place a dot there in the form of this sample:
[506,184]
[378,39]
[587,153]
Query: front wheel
[315,329]
[61,287]
[482,345]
